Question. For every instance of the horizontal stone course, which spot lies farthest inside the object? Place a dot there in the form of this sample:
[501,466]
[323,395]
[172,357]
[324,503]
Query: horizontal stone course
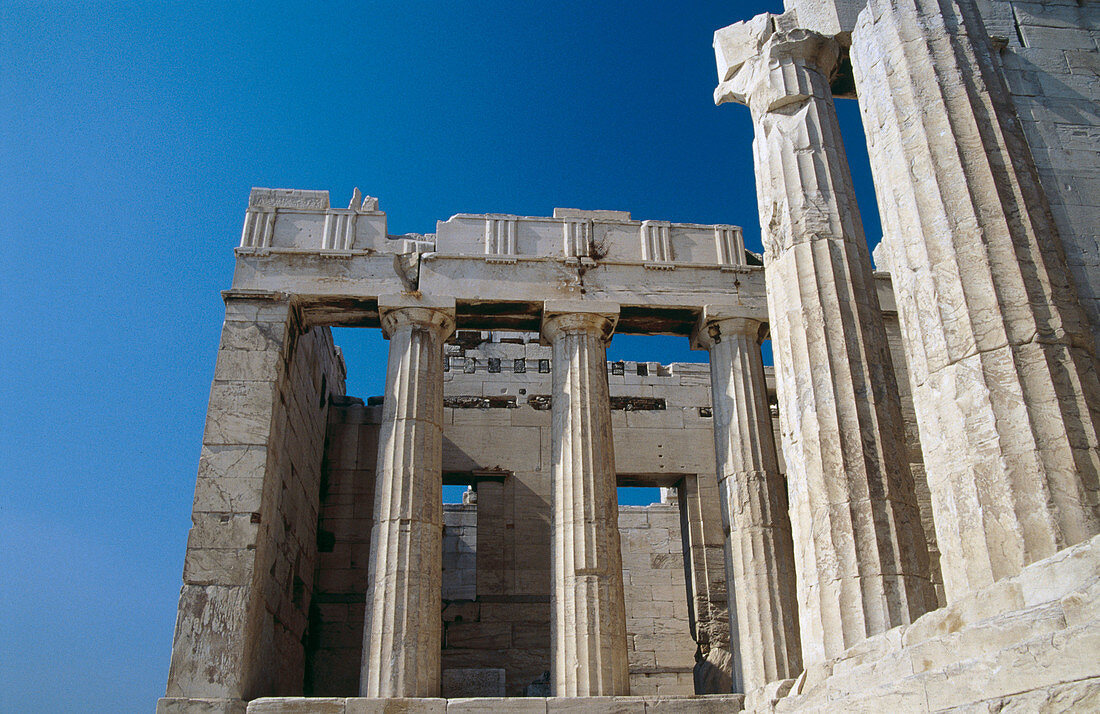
[725,704]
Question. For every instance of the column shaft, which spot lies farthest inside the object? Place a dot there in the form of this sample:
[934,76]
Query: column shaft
[401,637]
[862,559]
[754,499]
[1003,377]
[588,629]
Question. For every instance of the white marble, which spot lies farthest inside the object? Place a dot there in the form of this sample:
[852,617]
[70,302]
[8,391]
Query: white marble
[754,500]
[401,638]
[860,553]
[1003,375]
[588,626]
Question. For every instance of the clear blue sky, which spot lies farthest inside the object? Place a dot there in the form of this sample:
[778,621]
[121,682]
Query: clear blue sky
[130,134]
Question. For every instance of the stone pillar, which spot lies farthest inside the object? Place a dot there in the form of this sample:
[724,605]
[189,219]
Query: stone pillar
[754,499]
[401,638]
[221,612]
[251,552]
[588,629]
[1003,377]
[860,553]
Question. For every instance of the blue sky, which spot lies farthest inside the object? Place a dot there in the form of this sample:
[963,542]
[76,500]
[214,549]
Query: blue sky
[130,135]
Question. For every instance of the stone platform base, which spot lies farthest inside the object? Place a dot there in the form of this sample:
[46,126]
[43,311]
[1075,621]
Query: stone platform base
[1030,643]
[710,704]
[193,705]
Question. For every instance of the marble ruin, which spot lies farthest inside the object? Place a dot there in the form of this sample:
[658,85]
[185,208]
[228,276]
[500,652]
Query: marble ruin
[904,514]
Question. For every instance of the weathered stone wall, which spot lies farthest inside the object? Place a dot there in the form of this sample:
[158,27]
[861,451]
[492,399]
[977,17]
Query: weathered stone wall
[335,645]
[459,551]
[662,651]
[498,612]
[248,580]
[511,631]
[1051,63]
[287,550]
[496,553]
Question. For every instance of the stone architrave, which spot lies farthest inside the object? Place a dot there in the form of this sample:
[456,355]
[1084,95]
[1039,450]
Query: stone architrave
[588,626]
[1003,376]
[859,549]
[401,637]
[754,499]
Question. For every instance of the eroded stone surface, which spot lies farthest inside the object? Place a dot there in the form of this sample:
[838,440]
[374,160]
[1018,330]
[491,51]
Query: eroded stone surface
[754,497]
[401,635]
[473,682]
[983,652]
[861,556]
[588,629]
[1003,375]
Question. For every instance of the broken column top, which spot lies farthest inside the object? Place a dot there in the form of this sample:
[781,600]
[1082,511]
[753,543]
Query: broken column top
[737,43]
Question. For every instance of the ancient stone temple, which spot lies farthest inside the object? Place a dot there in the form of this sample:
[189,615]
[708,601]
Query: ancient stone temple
[902,515]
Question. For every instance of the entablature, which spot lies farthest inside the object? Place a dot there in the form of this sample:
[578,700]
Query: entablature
[499,268]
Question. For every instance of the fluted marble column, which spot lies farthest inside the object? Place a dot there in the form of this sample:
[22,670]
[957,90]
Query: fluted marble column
[588,628]
[1001,366]
[754,500]
[401,637]
[859,549]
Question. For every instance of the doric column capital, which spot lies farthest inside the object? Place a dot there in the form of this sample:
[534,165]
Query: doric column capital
[766,64]
[716,321]
[579,316]
[430,312]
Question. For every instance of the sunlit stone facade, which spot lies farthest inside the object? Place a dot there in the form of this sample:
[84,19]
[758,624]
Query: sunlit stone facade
[902,514]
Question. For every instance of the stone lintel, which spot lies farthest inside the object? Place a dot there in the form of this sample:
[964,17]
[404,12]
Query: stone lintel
[343,292]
